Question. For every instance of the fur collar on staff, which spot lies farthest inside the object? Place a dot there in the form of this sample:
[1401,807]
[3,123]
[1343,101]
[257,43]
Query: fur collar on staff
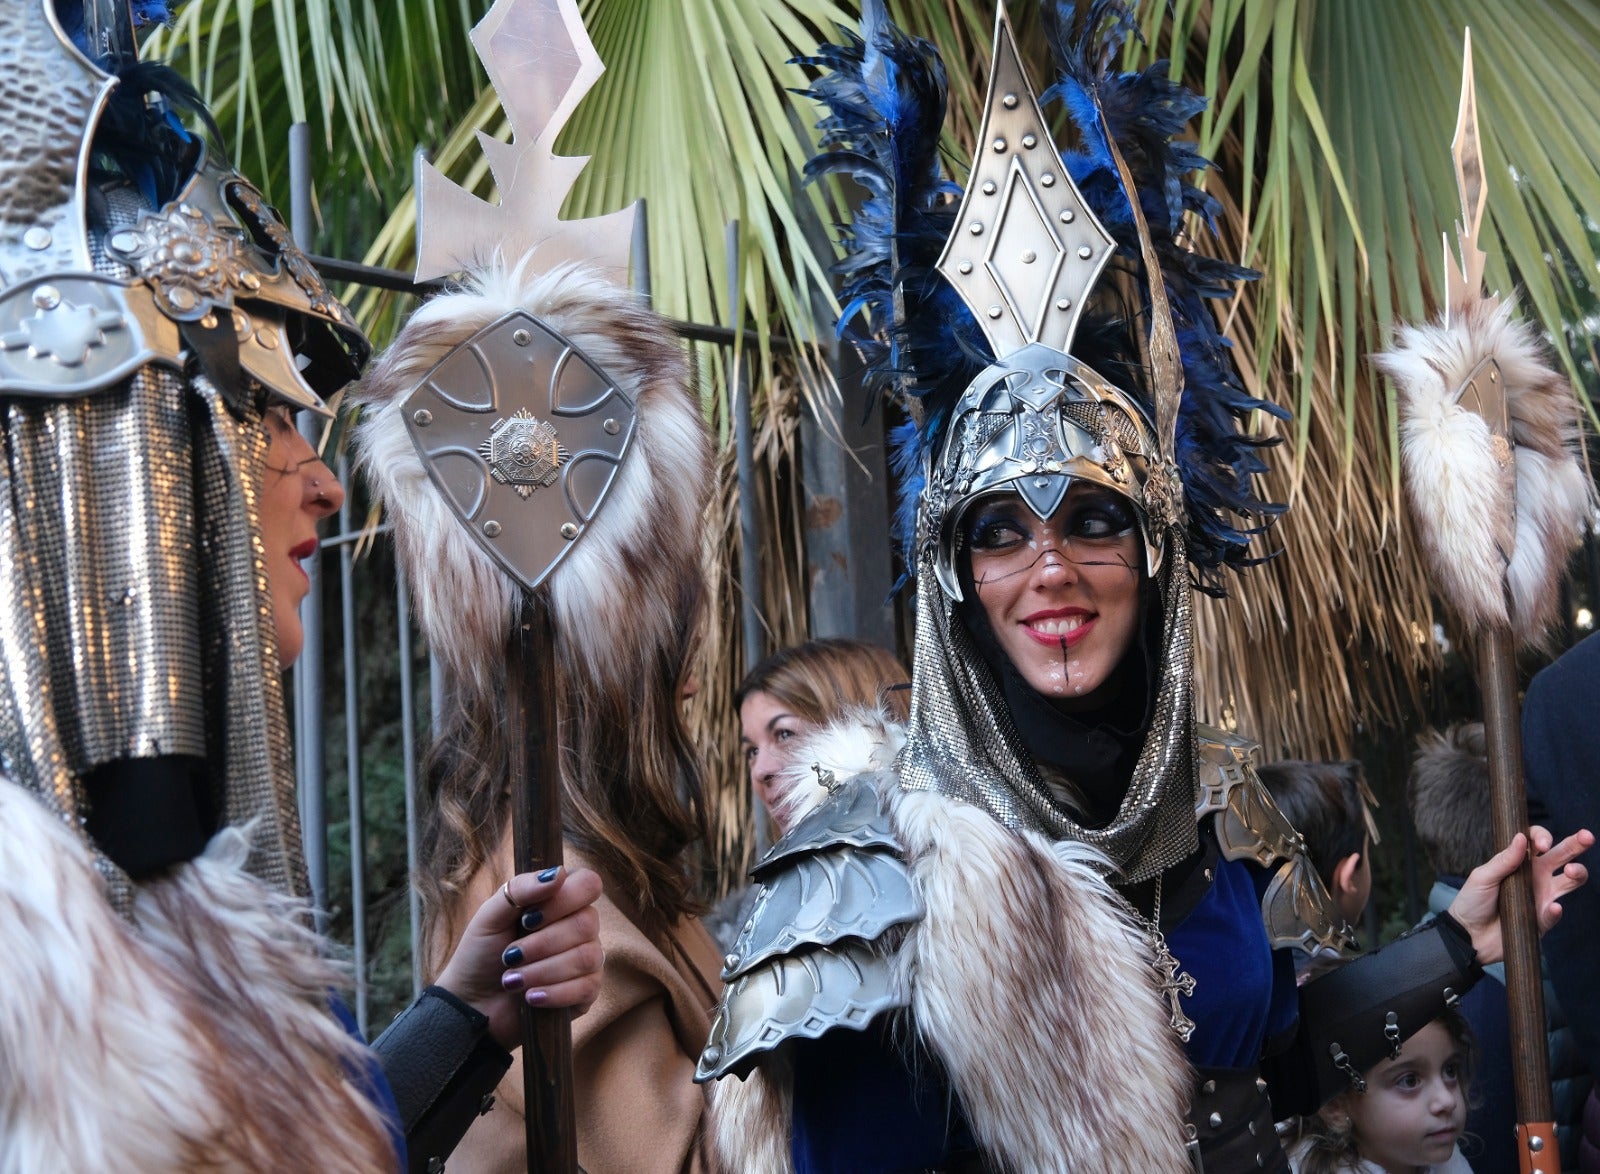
[199,1041]
[626,600]
[1024,961]
[648,525]
[1488,551]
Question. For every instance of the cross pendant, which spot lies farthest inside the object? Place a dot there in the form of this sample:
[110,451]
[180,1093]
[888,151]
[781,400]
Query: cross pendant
[1172,983]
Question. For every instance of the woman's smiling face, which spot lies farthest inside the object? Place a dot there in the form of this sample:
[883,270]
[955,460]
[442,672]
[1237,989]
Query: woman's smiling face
[1062,594]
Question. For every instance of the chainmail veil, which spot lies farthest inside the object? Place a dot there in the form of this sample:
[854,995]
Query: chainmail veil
[135,616]
[962,742]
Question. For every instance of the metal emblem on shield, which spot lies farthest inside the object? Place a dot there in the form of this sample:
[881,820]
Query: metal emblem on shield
[523,452]
[524,436]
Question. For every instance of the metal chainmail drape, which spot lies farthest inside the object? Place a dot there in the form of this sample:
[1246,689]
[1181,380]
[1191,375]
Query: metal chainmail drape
[962,743]
[135,617]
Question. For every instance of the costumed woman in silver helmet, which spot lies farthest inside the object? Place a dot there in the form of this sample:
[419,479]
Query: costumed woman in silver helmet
[164,1003]
[1048,925]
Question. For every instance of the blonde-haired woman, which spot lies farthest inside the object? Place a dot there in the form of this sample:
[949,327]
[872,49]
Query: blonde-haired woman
[798,691]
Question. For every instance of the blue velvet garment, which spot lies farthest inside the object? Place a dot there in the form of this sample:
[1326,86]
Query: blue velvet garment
[859,1106]
[371,1082]
[1244,991]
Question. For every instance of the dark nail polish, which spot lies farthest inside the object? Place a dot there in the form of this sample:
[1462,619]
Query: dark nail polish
[549,874]
[536,997]
[512,956]
[511,980]
[532,920]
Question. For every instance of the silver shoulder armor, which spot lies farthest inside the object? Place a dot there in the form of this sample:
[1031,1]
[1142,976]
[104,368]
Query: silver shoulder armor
[1297,908]
[811,957]
[215,259]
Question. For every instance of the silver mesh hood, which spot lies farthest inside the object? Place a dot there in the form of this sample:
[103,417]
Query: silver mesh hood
[135,618]
[961,741]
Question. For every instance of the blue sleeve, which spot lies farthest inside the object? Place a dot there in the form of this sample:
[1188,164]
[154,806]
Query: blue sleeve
[862,1103]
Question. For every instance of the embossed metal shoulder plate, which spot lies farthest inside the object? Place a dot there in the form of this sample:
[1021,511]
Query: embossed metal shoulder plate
[798,996]
[1248,822]
[1298,911]
[818,899]
[1296,908]
[850,815]
[524,435]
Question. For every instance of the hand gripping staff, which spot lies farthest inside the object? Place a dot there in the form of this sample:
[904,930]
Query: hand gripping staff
[1488,435]
[523,437]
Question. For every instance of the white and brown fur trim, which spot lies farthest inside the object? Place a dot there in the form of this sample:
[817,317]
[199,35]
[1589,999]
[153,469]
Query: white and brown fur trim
[862,740]
[1461,493]
[465,604]
[1030,983]
[199,1039]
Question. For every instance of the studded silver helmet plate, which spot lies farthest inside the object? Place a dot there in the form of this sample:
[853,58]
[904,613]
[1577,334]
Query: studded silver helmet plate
[1025,255]
[524,436]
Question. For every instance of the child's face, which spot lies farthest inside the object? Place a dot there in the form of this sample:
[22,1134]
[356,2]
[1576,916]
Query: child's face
[1414,1107]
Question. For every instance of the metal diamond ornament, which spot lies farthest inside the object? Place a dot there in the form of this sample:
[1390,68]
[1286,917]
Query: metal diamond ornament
[524,436]
[1027,249]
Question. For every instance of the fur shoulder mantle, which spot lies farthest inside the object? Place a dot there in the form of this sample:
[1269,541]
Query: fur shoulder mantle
[1014,956]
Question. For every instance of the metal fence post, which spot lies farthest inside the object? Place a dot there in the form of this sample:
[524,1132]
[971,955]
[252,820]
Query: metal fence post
[309,725]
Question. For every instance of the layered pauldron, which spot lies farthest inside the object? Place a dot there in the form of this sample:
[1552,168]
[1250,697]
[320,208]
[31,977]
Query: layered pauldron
[817,951]
[1296,908]
[214,273]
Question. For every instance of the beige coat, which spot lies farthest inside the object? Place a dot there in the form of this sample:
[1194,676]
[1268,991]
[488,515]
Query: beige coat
[639,1110]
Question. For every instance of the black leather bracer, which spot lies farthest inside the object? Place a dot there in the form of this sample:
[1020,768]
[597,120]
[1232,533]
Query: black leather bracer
[443,1067]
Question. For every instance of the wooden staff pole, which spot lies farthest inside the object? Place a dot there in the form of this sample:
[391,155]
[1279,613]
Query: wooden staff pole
[535,779]
[1519,926]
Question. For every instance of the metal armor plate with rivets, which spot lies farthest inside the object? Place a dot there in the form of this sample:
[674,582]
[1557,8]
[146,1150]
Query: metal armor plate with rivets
[850,816]
[811,956]
[1296,909]
[797,996]
[821,898]
[524,435]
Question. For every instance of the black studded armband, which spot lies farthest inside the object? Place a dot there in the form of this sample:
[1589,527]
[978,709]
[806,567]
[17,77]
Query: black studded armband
[442,1066]
[1360,1014]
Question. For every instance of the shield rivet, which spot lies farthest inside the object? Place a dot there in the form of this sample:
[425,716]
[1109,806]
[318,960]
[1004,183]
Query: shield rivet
[492,528]
[422,417]
[1028,141]
[37,238]
[1066,216]
[1047,180]
[569,531]
[521,337]
[47,297]
[611,427]
[965,267]
[989,188]
[1000,146]
[1064,304]
[994,311]
[1042,483]
[1085,252]
[1029,257]
[976,228]
[1009,101]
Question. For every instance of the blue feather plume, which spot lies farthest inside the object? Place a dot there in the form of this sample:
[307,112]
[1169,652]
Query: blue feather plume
[884,93]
